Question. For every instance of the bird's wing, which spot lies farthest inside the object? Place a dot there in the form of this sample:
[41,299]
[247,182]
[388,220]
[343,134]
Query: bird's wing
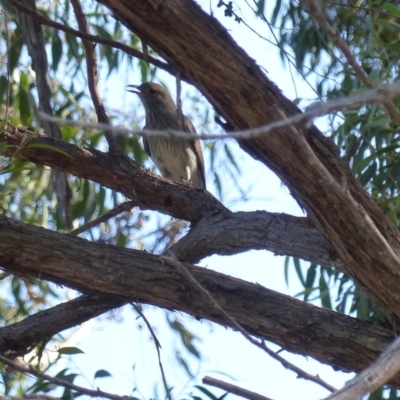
[189,127]
[146,142]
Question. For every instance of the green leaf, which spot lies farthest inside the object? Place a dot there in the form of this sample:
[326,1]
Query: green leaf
[102,373]
[23,97]
[299,272]
[70,350]
[324,292]
[56,50]
[391,8]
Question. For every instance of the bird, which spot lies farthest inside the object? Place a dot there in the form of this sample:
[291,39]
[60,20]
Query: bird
[177,158]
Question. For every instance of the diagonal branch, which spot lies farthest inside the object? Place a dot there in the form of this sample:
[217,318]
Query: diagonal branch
[93,38]
[306,161]
[93,77]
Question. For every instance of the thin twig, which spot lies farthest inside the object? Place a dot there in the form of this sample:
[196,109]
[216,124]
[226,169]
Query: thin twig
[158,347]
[372,96]
[93,77]
[95,39]
[260,344]
[320,18]
[247,394]
[372,378]
[127,206]
[60,382]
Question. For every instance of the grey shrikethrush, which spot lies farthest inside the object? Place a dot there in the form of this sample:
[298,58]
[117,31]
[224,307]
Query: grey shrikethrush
[178,159]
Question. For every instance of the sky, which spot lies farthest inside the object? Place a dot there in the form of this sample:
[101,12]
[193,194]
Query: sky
[124,347]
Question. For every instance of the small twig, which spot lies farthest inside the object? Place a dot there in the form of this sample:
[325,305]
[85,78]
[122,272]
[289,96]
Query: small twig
[92,77]
[60,382]
[372,378]
[373,96]
[127,206]
[234,323]
[320,18]
[95,39]
[158,347]
[247,394]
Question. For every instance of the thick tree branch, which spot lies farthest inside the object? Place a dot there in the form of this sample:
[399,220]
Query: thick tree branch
[219,232]
[97,269]
[228,234]
[21,337]
[117,172]
[307,162]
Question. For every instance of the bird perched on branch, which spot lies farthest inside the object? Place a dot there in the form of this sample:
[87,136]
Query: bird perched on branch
[178,159]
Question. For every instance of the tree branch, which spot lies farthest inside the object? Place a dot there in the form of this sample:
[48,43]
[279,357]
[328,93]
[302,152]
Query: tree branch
[21,337]
[95,39]
[247,394]
[281,234]
[62,382]
[93,77]
[374,377]
[130,275]
[306,161]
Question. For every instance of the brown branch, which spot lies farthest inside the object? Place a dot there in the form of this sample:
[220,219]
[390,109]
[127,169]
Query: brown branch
[339,340]
[320,18]
[127,206]
[239,232]
[253,101]
[247,394]
[117,172]
[93,77]
[22,337]
[95,39]
[60,382]
[233,323]
[375,376]
[279,233]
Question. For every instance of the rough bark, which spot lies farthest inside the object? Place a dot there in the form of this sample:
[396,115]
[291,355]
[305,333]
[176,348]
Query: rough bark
[301,156]
[22,337]
[218,232]
[130,275]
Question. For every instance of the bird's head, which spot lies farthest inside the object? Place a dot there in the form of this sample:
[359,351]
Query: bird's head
[153,96]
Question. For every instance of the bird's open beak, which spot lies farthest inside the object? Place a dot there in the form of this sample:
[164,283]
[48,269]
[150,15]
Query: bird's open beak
[135,89]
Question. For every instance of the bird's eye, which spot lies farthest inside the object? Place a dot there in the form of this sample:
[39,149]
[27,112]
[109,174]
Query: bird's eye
[152,91]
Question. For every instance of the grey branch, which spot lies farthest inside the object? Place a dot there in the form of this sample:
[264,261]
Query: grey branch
[318,109]
[375,376]
[339,340]
[247,394]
